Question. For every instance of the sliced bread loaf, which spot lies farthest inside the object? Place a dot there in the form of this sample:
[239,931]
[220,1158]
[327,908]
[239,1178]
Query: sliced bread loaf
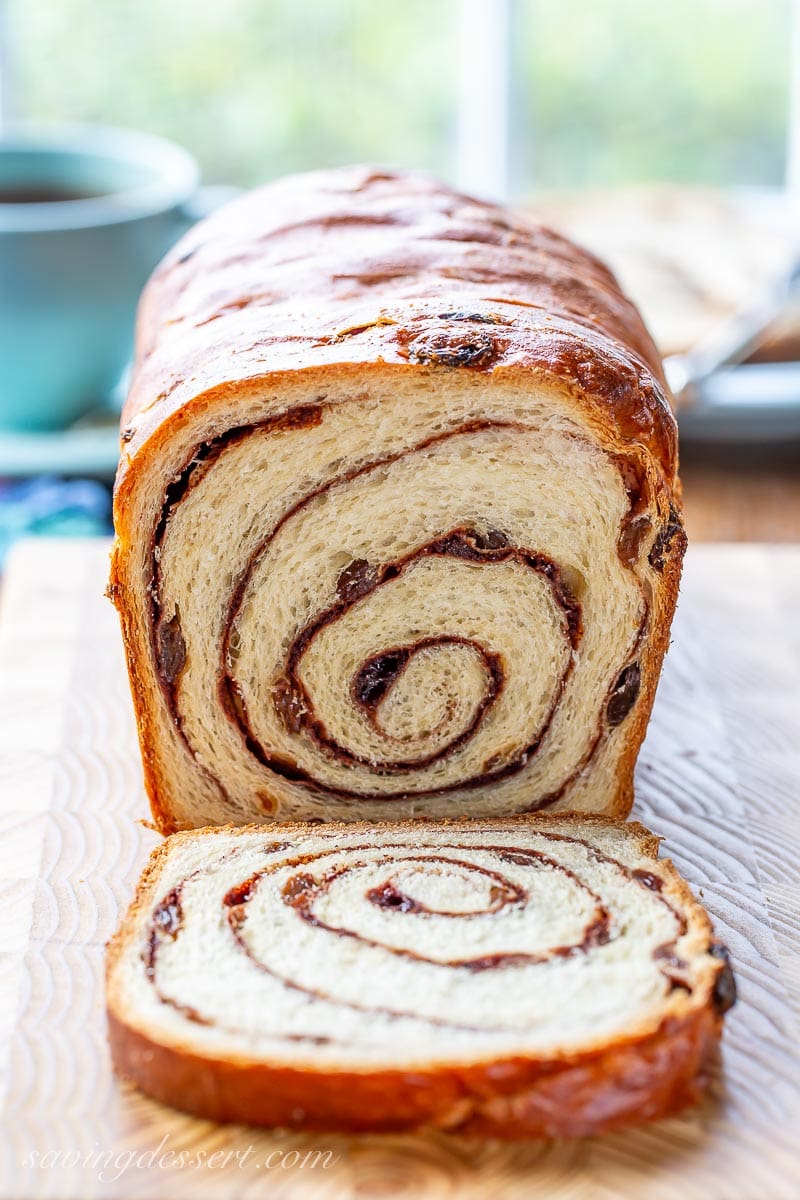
[397,516]
[545,975]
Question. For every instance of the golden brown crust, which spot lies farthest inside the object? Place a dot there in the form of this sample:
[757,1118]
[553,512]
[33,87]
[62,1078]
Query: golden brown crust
[652,658]
[635,1081]
[393,288]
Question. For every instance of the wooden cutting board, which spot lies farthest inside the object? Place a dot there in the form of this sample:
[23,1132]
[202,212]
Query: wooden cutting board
[719,778]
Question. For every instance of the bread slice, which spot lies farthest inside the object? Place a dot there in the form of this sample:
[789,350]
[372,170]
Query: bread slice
[397,514]
[538,976]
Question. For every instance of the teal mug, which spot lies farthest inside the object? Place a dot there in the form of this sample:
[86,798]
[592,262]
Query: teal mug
[85,215]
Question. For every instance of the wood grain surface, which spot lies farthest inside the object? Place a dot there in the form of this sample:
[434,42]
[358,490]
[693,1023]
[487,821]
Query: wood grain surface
[741,493]
[718,778]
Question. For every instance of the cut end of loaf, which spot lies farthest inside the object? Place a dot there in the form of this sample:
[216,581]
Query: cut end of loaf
[541,976]
[397,516]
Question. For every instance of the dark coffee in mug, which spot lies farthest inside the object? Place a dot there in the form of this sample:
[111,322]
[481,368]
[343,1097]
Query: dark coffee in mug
[44,194]
[71,273]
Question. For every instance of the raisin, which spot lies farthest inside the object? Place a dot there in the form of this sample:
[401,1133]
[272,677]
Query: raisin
[624,695]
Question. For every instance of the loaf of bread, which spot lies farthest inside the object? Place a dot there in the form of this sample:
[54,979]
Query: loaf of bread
[533,976]
[397,517]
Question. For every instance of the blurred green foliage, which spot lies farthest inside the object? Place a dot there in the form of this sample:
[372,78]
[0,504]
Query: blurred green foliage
[254,88]
[634,90]
[604,91]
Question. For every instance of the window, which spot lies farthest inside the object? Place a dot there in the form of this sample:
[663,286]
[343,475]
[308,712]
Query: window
[254,88]
[503,94]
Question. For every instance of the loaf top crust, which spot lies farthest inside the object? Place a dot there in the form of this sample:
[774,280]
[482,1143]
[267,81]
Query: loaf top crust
[335,271]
